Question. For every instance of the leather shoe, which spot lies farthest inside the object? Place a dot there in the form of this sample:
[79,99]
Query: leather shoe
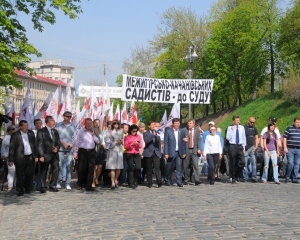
[185,183]
[43,190]
[90,189]
[296,182]
[212,183]
[159,184]
[79,188]
[53,189]
[20,194]
[180,185]
[197,183]
[167,184]
[149,185]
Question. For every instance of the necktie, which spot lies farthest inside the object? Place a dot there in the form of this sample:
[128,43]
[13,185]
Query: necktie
[191,139]
[52,136]
[237,135]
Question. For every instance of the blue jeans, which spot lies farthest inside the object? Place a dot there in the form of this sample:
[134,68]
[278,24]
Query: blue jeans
[293,158]
[266,167]
[250,166]
[65,159]
[176,161]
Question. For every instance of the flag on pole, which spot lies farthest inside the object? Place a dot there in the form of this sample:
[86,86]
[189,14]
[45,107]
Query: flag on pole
[26,111]
[124,115]
[67,103]
[52,109]
[35,107]
[164,120]
[13,113]
[133,114]
[110,115]
[75,117]
[93,106]
[117,113]
[175,113]
[42,114]
[60,103]
[106,100]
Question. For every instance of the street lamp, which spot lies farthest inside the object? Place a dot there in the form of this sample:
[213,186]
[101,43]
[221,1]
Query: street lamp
[190,57]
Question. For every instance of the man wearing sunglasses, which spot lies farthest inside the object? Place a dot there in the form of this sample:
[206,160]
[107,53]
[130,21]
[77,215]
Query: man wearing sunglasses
[66,130]
[250,149]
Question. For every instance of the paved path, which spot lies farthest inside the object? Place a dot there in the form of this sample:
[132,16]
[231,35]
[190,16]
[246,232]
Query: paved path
[223,211]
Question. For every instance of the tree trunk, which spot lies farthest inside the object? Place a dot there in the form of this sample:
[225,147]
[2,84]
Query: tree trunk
[206,110]
[214,106]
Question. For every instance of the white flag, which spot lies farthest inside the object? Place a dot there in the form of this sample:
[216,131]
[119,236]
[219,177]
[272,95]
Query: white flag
[67,103]
[106,99]
[26,111]
[76,115]
[53,107]
[110,115]
[124,115]
[175,113]
[42,112]
[117,113]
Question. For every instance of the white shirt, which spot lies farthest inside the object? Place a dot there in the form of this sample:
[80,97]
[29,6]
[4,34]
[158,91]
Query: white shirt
[49,130]
[176,138]
[27,148]
[212,145]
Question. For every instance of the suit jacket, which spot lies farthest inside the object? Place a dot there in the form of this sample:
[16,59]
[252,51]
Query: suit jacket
[151,147]
[45,144]
[16,147]
[196,140]
[170,142]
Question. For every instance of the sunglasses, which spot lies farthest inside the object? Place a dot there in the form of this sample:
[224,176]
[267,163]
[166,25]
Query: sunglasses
[252,122]
[134,131]
[68,116]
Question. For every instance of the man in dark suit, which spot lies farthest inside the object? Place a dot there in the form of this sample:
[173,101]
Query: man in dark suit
[192,140]
[174,151]
[152,153]
[48,143]
[22,153]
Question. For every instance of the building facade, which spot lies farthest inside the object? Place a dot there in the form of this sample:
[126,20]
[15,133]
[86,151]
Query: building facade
[54,70]
[40,88]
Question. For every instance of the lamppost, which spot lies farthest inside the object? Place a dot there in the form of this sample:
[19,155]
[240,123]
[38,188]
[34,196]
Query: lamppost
[190,57]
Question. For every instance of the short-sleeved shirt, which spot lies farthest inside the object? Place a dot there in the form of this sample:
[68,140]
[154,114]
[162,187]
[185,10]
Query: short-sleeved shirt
[250,132]
[292,136]
[271,145]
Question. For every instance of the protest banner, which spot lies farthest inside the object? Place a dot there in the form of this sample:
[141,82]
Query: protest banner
[194,91]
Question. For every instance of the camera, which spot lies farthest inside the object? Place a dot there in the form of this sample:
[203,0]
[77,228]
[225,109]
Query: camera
[4,118]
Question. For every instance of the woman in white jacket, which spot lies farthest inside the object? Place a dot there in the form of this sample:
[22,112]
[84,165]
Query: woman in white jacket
[4,155]
[212,152]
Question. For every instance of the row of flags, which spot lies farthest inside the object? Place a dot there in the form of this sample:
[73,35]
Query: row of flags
[56,104]
[95,108]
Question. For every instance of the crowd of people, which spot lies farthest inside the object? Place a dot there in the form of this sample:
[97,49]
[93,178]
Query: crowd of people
[44,159]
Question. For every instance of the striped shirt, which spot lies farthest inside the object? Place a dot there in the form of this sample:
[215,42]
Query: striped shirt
[292,136]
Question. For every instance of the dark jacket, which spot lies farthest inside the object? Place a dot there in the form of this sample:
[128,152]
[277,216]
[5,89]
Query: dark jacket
[151,147]
[45,143]
[170,142]
[16,147]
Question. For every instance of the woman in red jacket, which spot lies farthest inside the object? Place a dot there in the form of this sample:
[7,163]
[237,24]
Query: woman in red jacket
[132,144]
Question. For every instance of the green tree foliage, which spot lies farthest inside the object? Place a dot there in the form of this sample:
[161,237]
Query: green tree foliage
[289,40]
[14,46]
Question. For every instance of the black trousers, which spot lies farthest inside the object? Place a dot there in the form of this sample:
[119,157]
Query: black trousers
[86,164]
[134,167]
[237,160]
[27,169]
[54,162]
[212,160]
[155,160]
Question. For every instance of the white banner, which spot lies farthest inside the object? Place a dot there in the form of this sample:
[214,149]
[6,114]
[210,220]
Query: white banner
[196,91]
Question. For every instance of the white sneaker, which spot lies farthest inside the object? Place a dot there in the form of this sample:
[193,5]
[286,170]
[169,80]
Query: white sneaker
[68,187]
[58,185]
